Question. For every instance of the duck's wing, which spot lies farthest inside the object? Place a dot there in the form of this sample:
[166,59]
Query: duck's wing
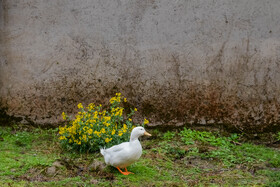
[117,148]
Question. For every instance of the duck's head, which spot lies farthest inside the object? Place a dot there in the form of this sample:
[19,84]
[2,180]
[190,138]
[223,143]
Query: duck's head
[137,132]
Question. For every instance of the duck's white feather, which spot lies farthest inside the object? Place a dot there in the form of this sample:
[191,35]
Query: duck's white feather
[126,153]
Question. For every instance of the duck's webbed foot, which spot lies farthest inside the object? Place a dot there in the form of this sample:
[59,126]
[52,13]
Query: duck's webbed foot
[124,173]
[128,171]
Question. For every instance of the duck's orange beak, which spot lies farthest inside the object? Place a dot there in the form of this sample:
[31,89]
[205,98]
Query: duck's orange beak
[147,134]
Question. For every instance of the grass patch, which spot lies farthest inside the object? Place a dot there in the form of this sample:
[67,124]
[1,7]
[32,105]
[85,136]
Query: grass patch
[33,157]
[20,153]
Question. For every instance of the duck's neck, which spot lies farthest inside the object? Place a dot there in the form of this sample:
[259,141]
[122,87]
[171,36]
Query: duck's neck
[133,138]
[135,143]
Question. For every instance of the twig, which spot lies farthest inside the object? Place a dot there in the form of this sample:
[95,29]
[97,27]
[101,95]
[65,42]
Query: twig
[236,143]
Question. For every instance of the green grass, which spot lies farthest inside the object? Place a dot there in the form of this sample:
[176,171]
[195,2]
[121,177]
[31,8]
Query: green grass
[278,136]
[174,158]
[18,155]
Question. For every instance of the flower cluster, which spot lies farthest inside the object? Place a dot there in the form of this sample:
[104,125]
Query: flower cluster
[95,127]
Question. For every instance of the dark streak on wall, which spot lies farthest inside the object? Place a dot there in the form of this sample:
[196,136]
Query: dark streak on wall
[178,62]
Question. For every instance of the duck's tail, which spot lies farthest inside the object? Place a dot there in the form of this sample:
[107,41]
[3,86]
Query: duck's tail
[102,151]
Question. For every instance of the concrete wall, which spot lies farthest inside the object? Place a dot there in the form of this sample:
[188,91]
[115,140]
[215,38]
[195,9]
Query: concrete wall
[195,61]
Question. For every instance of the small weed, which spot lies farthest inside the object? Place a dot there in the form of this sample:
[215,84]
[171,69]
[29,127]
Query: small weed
[23,139]
[5,131]
[171,150]
[229,153]
[189,136]
[274,177]
[278,136]
[168,135]
[176,152]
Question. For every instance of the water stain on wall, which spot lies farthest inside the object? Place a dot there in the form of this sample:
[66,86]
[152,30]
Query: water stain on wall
[178,62]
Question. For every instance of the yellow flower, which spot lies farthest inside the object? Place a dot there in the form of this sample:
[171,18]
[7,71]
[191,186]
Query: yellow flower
[125,100]
[113,131]
[97,133]
[135,109]
[112,100]
[107,118]
[95,115]
[91,106]
[78,118]
[107,124]
[85,138]
[120,133]
[124,126]
[62,137]
[108,140]
[90,131]
[103,131]
[118,99]
[61,130]
[146,121]
[63,116]
[118,111]
[80,105]
[129,119]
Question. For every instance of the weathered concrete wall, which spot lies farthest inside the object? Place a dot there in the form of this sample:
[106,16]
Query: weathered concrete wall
[197,61]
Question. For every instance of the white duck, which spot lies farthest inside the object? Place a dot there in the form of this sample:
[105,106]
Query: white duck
[124,154]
